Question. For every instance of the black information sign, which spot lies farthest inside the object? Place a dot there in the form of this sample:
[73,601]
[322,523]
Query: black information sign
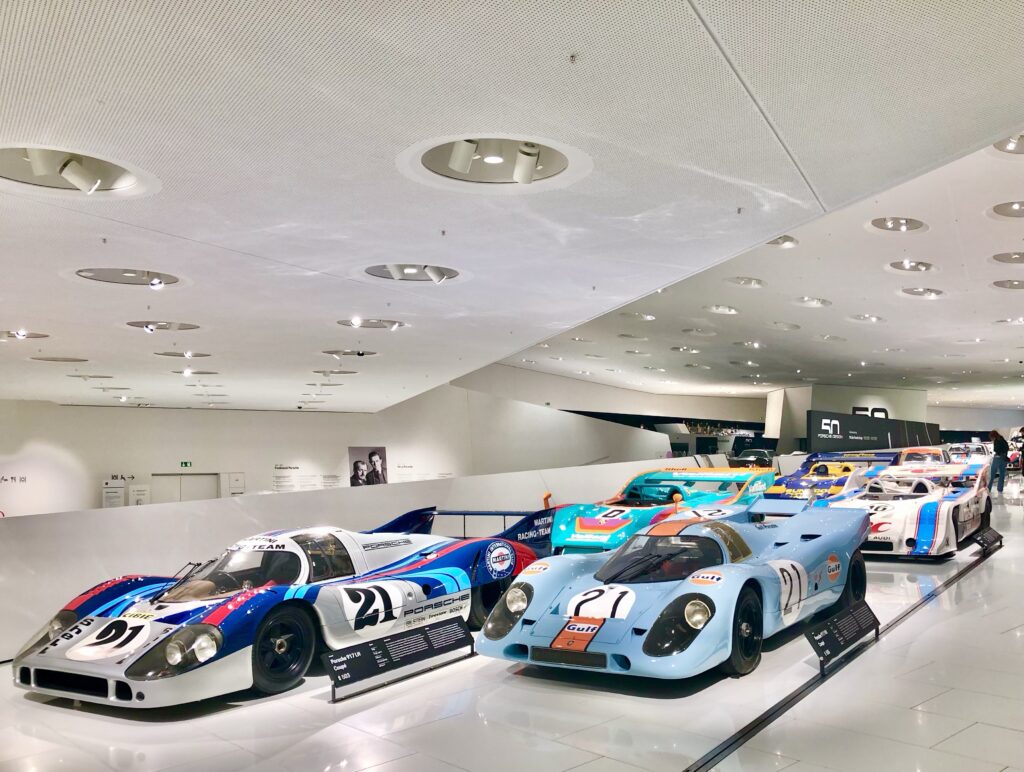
[839,431]
[840,631]
[987,538]
[364,660]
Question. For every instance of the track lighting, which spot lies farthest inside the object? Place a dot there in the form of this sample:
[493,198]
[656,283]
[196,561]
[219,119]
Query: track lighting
[527,158]
[490,151]
[461,158]
[43,162]
[156,283]
[434,273]
[76,174]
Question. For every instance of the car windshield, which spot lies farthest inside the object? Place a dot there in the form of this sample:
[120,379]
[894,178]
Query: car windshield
[236,570]
[639,495]
[918,457]
[660,559]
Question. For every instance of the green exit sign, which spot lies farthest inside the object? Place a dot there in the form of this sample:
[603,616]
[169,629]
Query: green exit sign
[186,464]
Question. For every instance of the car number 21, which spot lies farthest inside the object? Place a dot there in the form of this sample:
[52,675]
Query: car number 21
[372,609]
[793,588]
[117,638]
[609,601]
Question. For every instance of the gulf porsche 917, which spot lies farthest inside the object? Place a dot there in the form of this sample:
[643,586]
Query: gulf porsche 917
[685,595]
[920,512]
[256,615]
[650,498]
[826,474]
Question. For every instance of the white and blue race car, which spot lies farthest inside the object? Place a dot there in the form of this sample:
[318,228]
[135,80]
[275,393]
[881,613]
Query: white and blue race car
[693,592]
[256,615]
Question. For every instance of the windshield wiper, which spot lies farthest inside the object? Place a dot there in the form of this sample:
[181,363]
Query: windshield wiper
[636,566]
[195,569]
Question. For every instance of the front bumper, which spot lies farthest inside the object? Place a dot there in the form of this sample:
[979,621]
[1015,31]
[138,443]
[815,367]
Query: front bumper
[108,685]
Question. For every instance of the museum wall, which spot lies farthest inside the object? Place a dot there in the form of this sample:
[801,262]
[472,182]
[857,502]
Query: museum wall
[902,404]
[572,394]
[55,458]
[976,419]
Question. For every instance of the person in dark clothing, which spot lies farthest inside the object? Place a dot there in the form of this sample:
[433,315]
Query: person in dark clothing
[377,475]
[358,477]
[1000,455]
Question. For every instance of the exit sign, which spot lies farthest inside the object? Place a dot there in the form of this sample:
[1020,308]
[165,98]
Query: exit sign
[186,464]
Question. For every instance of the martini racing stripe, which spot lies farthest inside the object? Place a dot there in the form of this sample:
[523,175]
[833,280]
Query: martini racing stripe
[131,601]
[74,604]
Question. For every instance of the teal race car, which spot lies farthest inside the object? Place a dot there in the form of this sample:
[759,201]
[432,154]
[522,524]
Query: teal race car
[650,498]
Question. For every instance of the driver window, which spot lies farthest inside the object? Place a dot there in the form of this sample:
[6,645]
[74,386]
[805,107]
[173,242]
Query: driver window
[328,558]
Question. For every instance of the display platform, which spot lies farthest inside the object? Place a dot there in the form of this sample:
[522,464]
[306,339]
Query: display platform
[488,715]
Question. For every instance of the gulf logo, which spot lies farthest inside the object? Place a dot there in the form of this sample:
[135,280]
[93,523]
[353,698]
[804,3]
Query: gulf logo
[538,567]
[579,627]
[706,578]
[833,567]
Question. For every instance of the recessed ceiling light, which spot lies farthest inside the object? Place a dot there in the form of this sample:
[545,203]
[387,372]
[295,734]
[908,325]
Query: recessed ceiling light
[1014,144]
[165,326]
[65,360]
[644,317]
[628,336]
[655,369]
[809,379]
[112,388]
[969,341]
[134,276]
[686,349]
[543,345]
[872,364]
[1017,320]
[1010,284]
[584,372]
[699,332]
[748,363]
[372,324]
[1013,258]
[529,361]
[580,340]
[410,272]
[911,265]
[897,224]
[784,326]
[784,241]
[22,334]
[71,174]
[866,318]
[595,356]
[637,353]
[894,350]
[721,309]
[695,365]
[612,370]
[1009,209]
[811,302]
[188,372]
[746,281]
[831,338]
[89,377]
[504,161]
[329,373]
[749,343]
[338,353]
[181,354]
[557,359]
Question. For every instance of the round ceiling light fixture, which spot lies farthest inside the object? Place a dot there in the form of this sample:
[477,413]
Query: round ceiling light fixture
[1014,144]
[577,339]
[784,326]
[866,318]
[329,373]
[831,338]
[643,317]
[88,377]
[1009,209]
[1013,258]
[181,354]
[697,366]
[699,332]
[22,334]
[412,272]
[338,353]
[188,372]
[637,353]
[372,324]
[154,326]
[784,242]
[898,224]
[807,301]
[717,308]
[1016,321]
[62,360]
[911,265]
[749,282]
[495,160]
[135,276]
[685,349]
[928,293]
[1010,284]
[749,343]
[595,356]
[629,336]
[70,174]
[654,369]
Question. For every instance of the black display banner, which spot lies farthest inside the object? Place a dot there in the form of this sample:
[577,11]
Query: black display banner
[987,538]
[840,631]
[370,658]
[839,431]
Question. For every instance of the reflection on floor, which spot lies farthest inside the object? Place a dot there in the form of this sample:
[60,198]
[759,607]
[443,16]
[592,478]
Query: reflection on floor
[943,691]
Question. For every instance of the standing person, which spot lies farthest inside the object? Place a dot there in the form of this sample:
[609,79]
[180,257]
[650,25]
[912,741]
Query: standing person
[378,475]
[1001,452]
[359,470]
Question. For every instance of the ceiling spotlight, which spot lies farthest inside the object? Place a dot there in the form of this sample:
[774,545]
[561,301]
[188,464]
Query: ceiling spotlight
[394,326]
[43,162]
[911,265]
[187,372]
[336,356]
[721,309]
[808,302]
[394,270]
[409,270]
[686,349]
[922,292]
[784,241]
[149,327]
[832,338]
[188,355]
[21,334]
[526,163]
[1017,321]
[699,332]
[122,398]
[869,318]
[490,151]
[746,281]
[897,224]
[529,361]
[156,283]
[1009,209]
[1014,144]
[785,326]
[76,174]
[461,158]
[580,340]
[412,272]
[355,321]
[1011,284]
[436,274]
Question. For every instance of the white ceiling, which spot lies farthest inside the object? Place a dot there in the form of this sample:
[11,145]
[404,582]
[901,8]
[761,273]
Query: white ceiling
[842,258]
[276,130]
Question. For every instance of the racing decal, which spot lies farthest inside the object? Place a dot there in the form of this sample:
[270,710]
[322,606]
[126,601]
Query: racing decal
[793,587]
[738,549]
[260,544]
[927,525]
[879,508]
[383,545]
[221,612]
[144,615]
[612,513]
[673,527]
[609,601]
[536,568]
[371,609]
[97,590]
[711,513]
[600,524]
[882,527]
[500,559]
[833,567]
[707,578]
[117,638]
[577,633]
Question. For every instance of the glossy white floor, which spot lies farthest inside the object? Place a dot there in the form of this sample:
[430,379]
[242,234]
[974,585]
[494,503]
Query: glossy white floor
[943,691]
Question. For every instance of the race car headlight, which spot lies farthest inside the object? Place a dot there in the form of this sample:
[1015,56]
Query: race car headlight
[60,622]
[508,611]
[678,625]
[188,648]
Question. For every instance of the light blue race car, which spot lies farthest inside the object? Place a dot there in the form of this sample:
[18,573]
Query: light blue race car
[684,595]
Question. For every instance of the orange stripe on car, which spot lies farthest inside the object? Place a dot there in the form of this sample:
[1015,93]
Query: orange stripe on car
[577,633]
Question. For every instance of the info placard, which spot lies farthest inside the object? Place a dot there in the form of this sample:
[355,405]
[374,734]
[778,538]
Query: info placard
[841,631]
[383,655]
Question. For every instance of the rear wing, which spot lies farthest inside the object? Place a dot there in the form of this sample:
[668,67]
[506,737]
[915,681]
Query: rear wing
[937,472]
[417,521]
[531,528]
[852,458]
[713,474]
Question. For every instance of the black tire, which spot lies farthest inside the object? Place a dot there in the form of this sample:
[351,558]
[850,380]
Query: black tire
[986,515]
[856,586]
[747,635]
[282,649]
[483,599]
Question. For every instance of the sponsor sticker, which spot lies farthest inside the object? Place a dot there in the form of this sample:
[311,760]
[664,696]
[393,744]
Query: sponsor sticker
[539,567]
[147,615]
[500,558]
[117,638]
[577,633]
[608,601]
[833,567]
[707,578]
